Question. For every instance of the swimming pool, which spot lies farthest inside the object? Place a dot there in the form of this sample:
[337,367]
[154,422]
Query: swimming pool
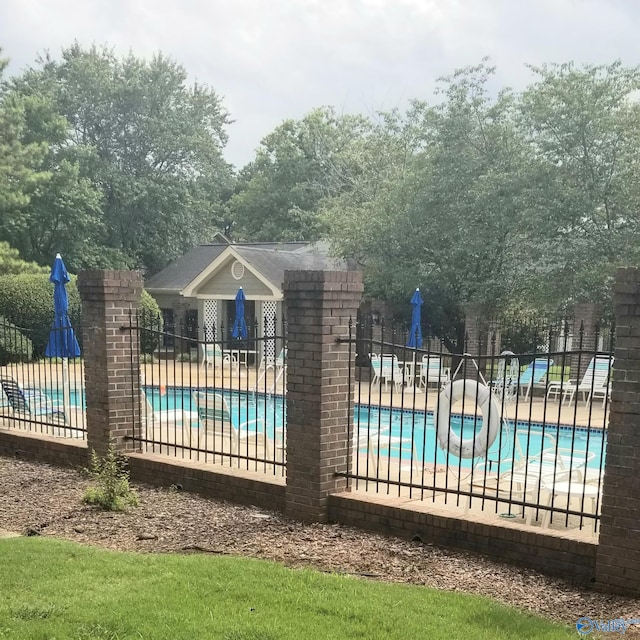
[415,429]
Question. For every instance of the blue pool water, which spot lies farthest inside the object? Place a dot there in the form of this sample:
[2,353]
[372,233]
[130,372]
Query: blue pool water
[415,428]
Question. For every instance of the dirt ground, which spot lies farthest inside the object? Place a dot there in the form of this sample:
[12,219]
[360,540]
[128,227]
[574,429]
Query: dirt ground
[38,499]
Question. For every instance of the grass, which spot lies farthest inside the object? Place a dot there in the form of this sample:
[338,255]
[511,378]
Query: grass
[54,589]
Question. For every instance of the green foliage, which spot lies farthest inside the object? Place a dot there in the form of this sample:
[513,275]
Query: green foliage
[27,301]
[137,194]
[513,201]
[11,264]
[296,166]
[111,491]
[14,345]
[151,324]
[20,160]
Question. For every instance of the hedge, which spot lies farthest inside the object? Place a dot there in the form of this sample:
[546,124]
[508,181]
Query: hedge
[14,345]
[26,300]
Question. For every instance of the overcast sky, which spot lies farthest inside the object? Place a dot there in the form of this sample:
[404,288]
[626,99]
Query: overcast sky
[276,59]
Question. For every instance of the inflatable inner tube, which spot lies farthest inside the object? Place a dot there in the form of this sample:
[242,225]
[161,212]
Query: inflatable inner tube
[476,392]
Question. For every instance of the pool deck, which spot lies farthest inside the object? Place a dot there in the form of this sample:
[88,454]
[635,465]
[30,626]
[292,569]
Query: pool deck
[169,373]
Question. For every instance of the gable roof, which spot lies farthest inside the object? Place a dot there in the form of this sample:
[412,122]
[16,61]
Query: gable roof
[271,259]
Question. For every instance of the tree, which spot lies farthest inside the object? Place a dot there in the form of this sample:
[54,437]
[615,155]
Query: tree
[11,264]
[149,143]
[437,202]
[585,132]
[296,166]
[19,162]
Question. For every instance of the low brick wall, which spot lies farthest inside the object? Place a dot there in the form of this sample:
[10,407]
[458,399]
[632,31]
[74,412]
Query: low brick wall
[513,543]
[235,485]
[37,446]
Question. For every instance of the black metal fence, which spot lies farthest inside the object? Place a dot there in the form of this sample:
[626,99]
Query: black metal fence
[521,434]
[38,393]
[214,399]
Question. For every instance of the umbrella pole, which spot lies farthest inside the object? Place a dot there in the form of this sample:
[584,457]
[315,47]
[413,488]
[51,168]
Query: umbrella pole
[66,392]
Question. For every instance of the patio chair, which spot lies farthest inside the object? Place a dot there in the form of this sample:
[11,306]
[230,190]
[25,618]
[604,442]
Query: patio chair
[31,403]
[594,382]
[216,421]
[279,367]
[505,384]
[380,445]
[386,367]
[165,417]
[432,372]
[533,375]
[211,355]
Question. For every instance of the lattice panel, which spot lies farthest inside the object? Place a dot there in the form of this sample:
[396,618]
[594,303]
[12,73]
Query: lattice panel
[210,318]
[269,318]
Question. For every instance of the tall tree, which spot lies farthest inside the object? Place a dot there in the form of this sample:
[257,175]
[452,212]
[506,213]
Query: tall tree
[585,131]
[297,165]
[19,162]
[438,205]
[149,142]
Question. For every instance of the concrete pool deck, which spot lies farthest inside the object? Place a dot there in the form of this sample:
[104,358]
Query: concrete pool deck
[168,373]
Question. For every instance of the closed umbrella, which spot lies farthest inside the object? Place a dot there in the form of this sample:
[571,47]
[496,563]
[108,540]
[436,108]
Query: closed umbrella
[239,325]
[62,339]
[415,335]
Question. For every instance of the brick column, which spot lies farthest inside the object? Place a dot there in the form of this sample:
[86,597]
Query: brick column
[476,328]
[586,317]
[111,357]
[319,305]
[618,557]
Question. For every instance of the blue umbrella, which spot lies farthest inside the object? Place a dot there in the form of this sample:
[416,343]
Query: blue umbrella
[415,335]
[239,325]
[62,339]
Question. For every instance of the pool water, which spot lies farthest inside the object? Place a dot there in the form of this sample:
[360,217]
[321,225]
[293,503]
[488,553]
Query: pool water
[415,429]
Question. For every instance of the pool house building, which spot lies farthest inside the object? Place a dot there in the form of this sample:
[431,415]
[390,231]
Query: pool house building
[197,292]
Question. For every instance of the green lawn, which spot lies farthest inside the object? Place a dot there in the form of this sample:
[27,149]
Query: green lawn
[56,590]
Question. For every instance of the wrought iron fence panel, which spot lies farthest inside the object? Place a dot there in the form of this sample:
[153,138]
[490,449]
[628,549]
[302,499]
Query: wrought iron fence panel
[40,394]
[213,398]
[521,434]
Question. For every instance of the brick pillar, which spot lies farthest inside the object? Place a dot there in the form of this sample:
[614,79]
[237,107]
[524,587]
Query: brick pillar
[111,357]
[618,557]
[586,317]
[476,328]
[319,306]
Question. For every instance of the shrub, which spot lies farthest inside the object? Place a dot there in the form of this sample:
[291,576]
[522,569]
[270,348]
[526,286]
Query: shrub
[27,301]
[150,323]
[14,345]
[111,491]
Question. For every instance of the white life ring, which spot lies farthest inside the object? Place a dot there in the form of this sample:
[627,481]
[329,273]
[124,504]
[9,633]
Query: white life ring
[479,393]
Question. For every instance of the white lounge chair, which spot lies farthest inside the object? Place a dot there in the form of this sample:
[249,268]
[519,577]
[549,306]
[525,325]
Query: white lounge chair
[222,433]
[593,383]
[279,367]
[533,375]
[211,355]
[152,418]
[386,367]
[30,403]
[530,476]
[432,371]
